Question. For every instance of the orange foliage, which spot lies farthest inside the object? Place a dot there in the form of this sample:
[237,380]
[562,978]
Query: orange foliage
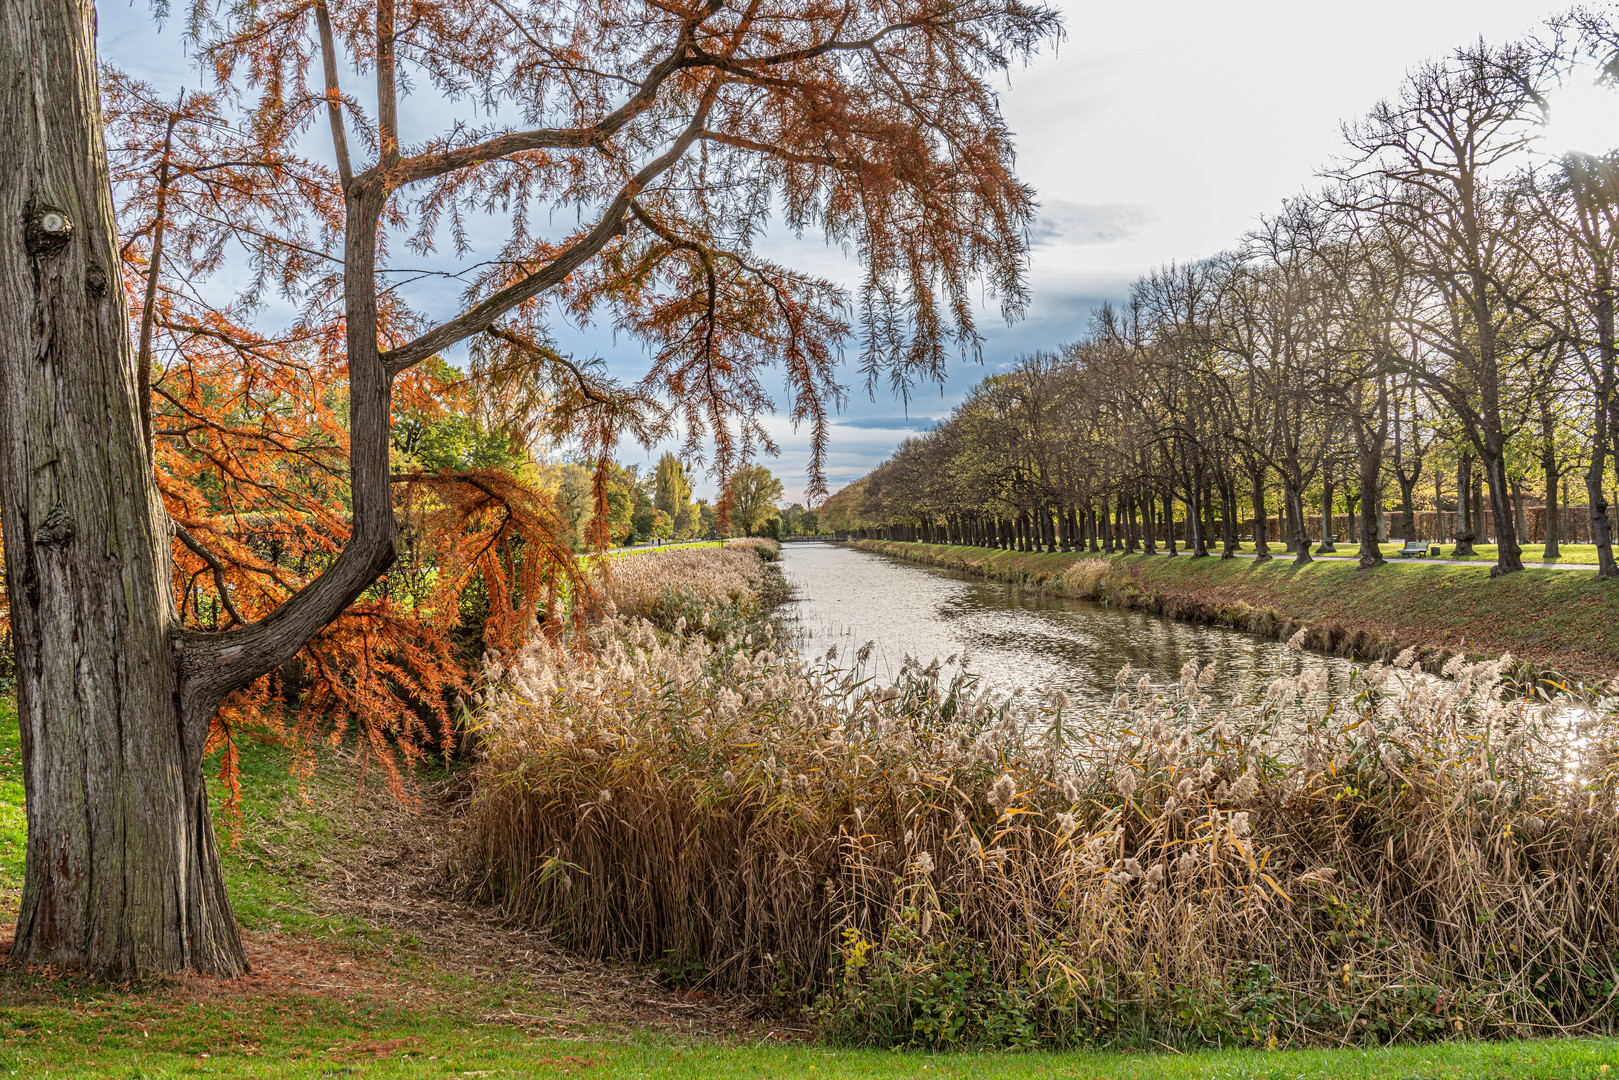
[251,452]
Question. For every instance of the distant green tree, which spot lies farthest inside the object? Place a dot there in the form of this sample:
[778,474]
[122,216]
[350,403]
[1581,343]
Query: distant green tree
[797,521]
[707,519]
[671,494]
[753,493]
[577,502]
[436,442]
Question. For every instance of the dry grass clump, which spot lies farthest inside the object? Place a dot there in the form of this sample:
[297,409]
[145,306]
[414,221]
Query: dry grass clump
[1085,578]
[1423,859]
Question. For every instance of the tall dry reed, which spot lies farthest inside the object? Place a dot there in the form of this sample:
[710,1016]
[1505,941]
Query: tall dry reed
[766,548]
[729,586]
[1421,859]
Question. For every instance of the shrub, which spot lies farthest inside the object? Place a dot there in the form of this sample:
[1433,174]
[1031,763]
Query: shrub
[933,866]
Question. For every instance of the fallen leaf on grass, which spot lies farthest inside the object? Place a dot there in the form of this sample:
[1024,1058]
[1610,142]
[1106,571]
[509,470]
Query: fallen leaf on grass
[374,1047]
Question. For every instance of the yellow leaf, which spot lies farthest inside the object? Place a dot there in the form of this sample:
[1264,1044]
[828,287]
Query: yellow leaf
[1279,890]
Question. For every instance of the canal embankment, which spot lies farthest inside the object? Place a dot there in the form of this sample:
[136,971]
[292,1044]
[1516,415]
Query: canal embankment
[1555,622]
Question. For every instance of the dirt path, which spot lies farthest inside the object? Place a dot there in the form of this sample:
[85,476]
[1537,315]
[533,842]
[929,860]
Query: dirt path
[393,873]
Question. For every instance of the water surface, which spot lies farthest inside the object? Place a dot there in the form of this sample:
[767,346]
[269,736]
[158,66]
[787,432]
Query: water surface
[1013,637]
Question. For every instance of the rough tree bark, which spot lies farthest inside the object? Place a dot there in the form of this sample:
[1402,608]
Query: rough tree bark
[1552,468]
[122,872]
[1261,521]
[1371,499]
[1372,437]
[1295,514]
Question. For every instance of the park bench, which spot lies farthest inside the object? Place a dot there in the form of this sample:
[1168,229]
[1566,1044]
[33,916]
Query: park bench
[1415,548]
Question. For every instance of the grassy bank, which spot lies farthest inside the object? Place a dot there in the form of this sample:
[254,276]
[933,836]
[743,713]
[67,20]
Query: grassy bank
[1568,554]
[1556,620]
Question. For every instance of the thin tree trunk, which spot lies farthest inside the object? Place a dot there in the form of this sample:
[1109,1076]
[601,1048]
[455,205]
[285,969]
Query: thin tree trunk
[1517,511]
[1194,522]
[1228,535]
[1326,515]
[1466,528]
[1554,511]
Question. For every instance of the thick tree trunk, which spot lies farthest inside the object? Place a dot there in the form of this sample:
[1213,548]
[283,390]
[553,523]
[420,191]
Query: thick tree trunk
[122,872]
[1261,518]
[1295,514]
[1371,502]
[1601,527]
[1196,539]
[1509,557]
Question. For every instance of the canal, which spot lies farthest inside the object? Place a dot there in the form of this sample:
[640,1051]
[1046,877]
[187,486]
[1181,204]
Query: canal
[1011,637]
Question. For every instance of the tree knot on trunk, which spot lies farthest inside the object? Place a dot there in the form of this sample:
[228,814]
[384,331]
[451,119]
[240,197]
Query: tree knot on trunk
[47,229]
[57,528]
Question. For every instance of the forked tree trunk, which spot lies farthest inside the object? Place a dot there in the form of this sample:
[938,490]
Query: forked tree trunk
[1295,513]
[1509,557]
[122,872]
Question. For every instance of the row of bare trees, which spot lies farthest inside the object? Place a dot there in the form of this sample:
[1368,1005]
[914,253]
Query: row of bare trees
[1446,299]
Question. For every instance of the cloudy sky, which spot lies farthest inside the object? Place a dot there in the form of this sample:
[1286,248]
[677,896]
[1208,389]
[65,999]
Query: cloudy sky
[1157,132]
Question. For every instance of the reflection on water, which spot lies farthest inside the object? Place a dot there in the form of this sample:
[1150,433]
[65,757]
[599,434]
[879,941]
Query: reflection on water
[1014,639]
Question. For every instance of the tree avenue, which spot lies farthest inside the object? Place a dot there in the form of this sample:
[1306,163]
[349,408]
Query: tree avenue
[664,129]
[1438,321]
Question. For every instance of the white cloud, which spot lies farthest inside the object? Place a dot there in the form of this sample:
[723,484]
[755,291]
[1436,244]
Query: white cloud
[1063,223]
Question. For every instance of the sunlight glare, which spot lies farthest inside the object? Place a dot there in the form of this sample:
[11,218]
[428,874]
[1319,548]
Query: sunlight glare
[1584,118]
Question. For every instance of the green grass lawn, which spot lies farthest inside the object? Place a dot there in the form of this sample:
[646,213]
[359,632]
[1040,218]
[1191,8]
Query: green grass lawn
[1568,554]
[340,996]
